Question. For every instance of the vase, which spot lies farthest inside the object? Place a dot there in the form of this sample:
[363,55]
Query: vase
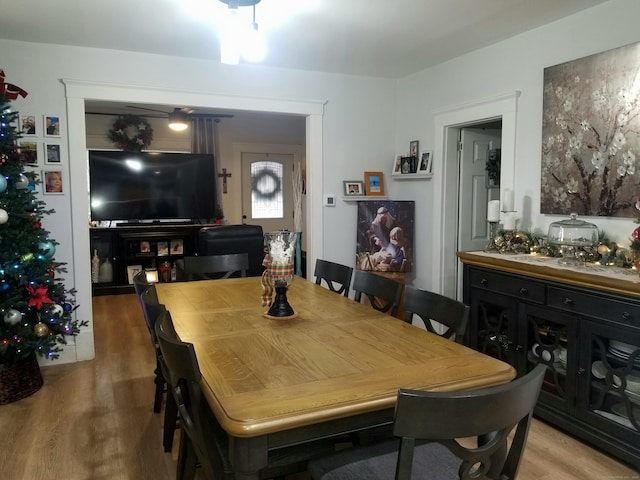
[281,248]
[19,379]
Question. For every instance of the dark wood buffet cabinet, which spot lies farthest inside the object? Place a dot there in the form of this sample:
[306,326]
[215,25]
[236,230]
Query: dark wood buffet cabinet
[582,322]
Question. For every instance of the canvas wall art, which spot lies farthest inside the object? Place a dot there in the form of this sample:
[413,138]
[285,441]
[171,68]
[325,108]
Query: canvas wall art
[385,236]
[590,127]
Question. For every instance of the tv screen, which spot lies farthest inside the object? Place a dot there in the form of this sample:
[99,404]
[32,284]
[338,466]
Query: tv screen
[135,186]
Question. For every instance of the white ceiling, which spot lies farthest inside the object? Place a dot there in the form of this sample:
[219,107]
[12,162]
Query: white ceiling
[382,38]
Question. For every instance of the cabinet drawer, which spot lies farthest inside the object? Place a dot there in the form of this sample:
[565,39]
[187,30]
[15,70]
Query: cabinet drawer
[627,313]
[519,287]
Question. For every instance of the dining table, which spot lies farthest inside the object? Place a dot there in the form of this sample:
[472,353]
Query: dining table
[280,387]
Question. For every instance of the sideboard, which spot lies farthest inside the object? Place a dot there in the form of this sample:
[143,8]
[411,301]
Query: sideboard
[582,322]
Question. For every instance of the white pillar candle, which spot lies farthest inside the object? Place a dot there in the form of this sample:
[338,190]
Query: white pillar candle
[507,200]
[493,211]
[509,222]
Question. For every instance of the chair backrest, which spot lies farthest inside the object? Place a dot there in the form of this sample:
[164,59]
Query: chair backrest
[432,307]
[332,274]
[224,239]
[140,282]
[383,293]
[490,414]
[196,420]
[152,309]
[214,266]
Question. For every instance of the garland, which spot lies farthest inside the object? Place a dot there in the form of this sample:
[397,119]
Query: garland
[140,141]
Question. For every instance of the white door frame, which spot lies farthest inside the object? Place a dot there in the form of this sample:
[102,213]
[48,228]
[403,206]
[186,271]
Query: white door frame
[447,123]
[77,91]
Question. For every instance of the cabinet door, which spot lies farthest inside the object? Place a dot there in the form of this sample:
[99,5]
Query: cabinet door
[609,388]
[550,338]
[103,258]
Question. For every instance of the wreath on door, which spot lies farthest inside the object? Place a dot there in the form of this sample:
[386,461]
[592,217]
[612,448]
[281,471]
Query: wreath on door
[131,133]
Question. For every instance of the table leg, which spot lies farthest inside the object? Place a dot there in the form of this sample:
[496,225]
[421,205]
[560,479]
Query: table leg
[249,456]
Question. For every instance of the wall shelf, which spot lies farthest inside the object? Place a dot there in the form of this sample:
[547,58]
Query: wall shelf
[413,176]
[364,198]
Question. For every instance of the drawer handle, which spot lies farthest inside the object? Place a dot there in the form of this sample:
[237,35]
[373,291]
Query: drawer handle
[484,281]
[523,291]
[626,316]
[567,301]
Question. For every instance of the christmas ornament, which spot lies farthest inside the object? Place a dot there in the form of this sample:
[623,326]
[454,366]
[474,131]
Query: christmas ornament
[4,286]
[4,216]
[21,182]
[12,317]
[40,329]
[3,184]
[31,205]
[53,311]
[39,295]
[47,248]
[26,258]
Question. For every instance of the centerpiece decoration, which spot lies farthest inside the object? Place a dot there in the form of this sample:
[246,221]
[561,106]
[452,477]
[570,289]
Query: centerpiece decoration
[131,133]
[279,273]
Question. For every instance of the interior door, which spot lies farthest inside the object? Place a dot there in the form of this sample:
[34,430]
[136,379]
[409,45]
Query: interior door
[267,190]
[474,193]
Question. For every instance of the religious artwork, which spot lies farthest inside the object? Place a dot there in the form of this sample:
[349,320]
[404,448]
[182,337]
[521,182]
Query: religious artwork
[590,125]
[385,236]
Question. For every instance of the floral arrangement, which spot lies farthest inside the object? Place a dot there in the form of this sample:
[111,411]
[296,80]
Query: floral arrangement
[131,133]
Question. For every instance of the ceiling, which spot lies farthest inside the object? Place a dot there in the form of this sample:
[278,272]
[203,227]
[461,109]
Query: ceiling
[391,38]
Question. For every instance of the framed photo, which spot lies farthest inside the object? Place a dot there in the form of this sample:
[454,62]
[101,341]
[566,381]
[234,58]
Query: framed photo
[353,187]
[176,247]
[426,160]
[145,246]
[414,148]
[132,271]
[52,182]
[396,169]
[52,153]
[51,126]
[28,152]
[28,125]
[163,249]
[374,183]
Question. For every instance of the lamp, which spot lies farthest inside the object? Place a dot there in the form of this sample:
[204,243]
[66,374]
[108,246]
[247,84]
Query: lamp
[238,38]
[178,120]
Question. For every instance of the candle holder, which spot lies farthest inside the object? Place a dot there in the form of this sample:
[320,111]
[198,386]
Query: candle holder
[279,273]
[492,246]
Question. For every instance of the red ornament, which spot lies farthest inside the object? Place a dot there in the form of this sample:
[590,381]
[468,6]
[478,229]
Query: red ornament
[39,296]
[635,236]
[37,225]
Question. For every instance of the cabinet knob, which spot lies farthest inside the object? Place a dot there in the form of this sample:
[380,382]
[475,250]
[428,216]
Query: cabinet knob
[567,301]
[581,371]
[523,291]
[626,316]
[484,281]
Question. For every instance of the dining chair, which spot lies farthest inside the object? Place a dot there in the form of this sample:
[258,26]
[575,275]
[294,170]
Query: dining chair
[140,283]
[433,308]
[428,425]
[204,267]
[152,310]
[202,441]
[383,293]
[332,274]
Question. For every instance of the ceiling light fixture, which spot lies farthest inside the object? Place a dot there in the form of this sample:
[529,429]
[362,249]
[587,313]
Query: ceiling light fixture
[178,120]
[240,38]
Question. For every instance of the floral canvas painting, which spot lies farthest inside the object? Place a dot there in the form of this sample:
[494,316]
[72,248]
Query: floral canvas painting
[590,127]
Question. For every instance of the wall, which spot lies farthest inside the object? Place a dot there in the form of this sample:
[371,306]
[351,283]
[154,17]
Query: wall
[516,64]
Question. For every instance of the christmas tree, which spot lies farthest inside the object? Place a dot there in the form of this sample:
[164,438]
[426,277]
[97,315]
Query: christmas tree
[36,311]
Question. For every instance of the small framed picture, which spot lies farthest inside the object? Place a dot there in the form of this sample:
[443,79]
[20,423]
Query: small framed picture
[51,126]
[28,152]
[28,125]
[176,247]
[425,163]
[374,183]
[397,166]
[132,271]
[52,153]
[145,246]
[163,249]
[52,182]
[414,148]
[353,187]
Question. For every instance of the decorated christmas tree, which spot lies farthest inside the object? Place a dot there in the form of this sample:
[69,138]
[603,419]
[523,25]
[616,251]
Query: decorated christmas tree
[36,311]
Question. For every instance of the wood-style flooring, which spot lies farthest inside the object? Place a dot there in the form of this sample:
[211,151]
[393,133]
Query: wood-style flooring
[93,420]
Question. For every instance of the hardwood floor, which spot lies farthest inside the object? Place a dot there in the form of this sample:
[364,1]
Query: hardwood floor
[93,420]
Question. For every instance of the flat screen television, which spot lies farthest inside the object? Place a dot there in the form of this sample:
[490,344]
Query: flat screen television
[143,186]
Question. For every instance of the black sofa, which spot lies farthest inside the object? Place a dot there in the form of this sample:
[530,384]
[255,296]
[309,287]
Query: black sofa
[223,239]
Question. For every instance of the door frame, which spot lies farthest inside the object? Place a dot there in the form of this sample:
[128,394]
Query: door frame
[448,122]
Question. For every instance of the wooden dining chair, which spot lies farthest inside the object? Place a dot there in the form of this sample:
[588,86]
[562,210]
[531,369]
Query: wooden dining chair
[336,276]
[428,425]
[205,267]
[433,308]
[140,283]
[202,441]
[152,310]
[383,293]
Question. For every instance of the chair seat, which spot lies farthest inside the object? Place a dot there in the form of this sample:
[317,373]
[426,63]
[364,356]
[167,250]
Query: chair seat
[431,461]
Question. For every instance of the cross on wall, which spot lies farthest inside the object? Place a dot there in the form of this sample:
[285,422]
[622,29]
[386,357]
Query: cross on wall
[224,175]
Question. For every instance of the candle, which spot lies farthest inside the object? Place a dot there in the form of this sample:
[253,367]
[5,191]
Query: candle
[507,200]
[493,211]
[509,222]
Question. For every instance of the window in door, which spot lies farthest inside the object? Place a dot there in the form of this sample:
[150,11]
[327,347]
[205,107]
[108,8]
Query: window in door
[266,189]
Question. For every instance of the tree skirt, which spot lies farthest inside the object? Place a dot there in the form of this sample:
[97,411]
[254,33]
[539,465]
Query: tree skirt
[19,379]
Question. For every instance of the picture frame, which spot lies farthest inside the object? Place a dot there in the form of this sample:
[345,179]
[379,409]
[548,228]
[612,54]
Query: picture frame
[374,183]
[145,246]
[52,182]
[51,125]
[28,126]
[426,163]
[132,271]
[353,187]
[163,249]
[396,168]
[52,153]
[177,247]
[28,152]
[414,148]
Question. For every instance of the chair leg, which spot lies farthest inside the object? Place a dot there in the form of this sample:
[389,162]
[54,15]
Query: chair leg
[170,420]
[187,459]
[160,384]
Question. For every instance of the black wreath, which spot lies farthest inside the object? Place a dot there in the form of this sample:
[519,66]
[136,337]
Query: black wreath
[140,141]
[262,174]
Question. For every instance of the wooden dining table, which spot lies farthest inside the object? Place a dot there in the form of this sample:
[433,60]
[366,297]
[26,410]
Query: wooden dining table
[284,385]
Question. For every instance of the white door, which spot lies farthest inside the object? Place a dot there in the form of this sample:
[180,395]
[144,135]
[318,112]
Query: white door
[474,194]
[267,190]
